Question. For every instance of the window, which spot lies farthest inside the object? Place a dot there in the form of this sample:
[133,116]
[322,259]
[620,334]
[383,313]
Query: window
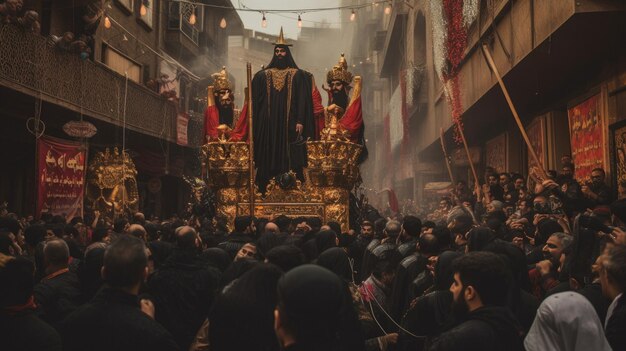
[121,64]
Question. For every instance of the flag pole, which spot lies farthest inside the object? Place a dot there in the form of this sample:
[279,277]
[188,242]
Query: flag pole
[446,157]
[250,138]
[531,149]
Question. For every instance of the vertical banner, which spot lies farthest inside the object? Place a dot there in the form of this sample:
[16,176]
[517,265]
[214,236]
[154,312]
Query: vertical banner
[182,123]
[586,128]
[61,175]
[496,153]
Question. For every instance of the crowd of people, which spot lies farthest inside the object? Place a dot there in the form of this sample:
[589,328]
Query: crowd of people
[506,266]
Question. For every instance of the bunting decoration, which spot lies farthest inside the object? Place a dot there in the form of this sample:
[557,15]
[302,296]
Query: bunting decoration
[451,20]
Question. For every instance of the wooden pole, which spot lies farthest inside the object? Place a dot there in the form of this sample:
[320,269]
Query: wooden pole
[462,134]
[250,137]
[531,150]
[445,156]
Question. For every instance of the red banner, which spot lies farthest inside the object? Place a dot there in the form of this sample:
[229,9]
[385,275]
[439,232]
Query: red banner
[61,177]
[587,137]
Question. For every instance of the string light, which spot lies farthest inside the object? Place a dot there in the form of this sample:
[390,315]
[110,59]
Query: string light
[388,9]
[223,23]
[264,21]
[192,18]
[299,21]
[107,22]
[352,16]
[143,10]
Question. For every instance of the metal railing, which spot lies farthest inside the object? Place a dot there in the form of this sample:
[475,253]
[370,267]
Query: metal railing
[30,65]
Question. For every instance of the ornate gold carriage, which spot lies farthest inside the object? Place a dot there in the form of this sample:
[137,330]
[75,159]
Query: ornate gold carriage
[331,174]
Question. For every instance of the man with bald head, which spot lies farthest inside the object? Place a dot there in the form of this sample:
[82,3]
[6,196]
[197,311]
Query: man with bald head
[138,231]
[183,288]
[271,227]
[58,293]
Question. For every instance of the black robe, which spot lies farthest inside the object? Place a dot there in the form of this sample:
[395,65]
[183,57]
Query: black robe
[277,148]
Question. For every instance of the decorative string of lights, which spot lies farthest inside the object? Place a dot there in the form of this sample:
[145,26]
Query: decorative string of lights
[299,12]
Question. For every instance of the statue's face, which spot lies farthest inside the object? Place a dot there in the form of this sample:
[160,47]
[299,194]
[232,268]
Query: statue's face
[280,53]
[336,85]
[225,97]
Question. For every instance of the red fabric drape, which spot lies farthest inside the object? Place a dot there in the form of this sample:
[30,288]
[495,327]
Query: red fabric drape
[352,120]
[211,121]
[393,200]
[318,113]
[240,133]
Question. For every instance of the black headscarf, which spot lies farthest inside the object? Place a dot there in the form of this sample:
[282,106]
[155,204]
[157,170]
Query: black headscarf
[336,260]
[289,62]
[317,306]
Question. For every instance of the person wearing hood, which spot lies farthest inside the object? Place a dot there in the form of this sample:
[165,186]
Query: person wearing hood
[566,322]
[479,291]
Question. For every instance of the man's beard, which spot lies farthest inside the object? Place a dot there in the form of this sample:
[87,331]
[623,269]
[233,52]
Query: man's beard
[460,309]
[340,98]
[281,62]
[226,113]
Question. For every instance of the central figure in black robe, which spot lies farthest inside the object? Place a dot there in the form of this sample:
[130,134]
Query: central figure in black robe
[282,116]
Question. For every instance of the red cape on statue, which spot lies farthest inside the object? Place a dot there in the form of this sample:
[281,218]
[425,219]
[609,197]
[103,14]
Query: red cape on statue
[352,120]
[240,133]
[211,121]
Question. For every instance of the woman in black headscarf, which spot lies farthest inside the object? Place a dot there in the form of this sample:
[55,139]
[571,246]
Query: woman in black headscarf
[429,314]
[314,312]
[325,239]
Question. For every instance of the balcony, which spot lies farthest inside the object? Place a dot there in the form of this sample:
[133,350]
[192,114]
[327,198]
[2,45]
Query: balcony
[29,65]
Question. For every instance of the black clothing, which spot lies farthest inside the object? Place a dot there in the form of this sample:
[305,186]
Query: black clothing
[593,293]
[114,321]
[616,326]
[605,195]
[401,296]
[25,332]
[407,248]
[487,328]
[281,98]
[337,261]
[183,292]
[427,318]
[58,296]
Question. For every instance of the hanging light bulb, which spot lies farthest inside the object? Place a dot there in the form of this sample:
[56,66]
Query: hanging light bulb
[107,22]
[143,10]
[264,21]
[388,9]
[192,18]
[352,16]
[299,22]
[223,23]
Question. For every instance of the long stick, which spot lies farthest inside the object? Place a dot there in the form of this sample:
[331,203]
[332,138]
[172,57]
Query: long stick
[462,134]
[250,137]
[531,149]
[445,155]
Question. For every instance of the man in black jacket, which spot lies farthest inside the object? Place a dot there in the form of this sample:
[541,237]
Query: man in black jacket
[613,281]
[480,288]
[58,294]
[116,319]
[183,289]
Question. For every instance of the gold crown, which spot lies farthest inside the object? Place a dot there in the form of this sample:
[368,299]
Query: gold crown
[281,39]
[220,80]
[339,72]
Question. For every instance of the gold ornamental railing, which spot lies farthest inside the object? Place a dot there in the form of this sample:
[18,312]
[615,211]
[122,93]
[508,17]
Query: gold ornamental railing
[29,65]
